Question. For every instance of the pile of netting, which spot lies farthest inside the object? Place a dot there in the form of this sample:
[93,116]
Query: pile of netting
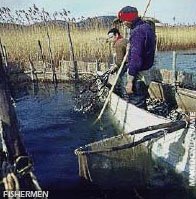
[163,108]
[122,159]
[92,93]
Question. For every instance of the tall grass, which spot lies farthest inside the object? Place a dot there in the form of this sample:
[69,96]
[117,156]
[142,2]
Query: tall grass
[89,41]
[88,44]
[176,38]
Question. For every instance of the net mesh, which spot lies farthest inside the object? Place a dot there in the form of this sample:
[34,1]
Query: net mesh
[122,160]
[103,168]
[92,94]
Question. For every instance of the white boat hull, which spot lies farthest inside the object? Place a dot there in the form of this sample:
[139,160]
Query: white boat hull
[172,149]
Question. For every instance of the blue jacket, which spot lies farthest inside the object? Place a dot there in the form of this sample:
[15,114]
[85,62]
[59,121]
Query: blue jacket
[142,47]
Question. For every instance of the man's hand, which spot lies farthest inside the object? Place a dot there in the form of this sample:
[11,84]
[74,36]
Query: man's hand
[129,86]
[113,68]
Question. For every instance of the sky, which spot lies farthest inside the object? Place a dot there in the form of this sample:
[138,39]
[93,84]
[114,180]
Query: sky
[184,11]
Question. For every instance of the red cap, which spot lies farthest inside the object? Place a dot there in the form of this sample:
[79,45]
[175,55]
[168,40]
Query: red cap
[127,16]
[128,13]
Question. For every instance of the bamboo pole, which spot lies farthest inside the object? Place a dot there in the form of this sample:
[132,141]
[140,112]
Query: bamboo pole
[156,127]
[97,66]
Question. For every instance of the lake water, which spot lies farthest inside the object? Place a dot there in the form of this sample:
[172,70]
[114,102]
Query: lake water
[51,131]
[186,60]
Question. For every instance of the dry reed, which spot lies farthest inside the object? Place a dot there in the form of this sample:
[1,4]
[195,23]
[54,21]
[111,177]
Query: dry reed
[89,41]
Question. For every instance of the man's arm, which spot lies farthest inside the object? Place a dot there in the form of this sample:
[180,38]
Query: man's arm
[135,59]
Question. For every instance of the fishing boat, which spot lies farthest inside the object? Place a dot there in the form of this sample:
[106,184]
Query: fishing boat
[124,159]
[170,143]
[173,148]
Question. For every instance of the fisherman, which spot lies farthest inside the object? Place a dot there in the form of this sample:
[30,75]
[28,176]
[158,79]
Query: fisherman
[140,56]
[119,45]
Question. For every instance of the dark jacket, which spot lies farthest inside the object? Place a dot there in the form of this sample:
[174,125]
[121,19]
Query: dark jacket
[142,47]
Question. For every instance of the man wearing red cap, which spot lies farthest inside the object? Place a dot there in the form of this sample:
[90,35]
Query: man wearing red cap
[141,54]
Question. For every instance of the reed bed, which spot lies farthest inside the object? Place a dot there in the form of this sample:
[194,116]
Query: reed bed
[88,44]
[176,38]
[89,38]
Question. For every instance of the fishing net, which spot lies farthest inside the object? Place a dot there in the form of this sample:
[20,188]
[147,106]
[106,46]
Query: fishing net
[122,160]
[92,93]
[163,108]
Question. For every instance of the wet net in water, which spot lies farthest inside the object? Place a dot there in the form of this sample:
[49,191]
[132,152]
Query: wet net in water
[123,160]
[101,164]
[92,93]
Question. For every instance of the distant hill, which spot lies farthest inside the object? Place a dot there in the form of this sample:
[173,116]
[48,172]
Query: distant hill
[100,21]
[103,21]
[152,19]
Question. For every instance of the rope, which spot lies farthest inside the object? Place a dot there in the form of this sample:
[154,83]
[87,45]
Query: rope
[83,167]
[21,167]
[21,160]
[4,174]
[4,148]
[83,164]
[35,182]
[10,180]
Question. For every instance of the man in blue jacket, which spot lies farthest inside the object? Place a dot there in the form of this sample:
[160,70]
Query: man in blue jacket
[141,54]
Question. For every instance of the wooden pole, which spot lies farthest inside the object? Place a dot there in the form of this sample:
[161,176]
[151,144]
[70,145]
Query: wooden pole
[112,88]
[147,6]
[54,77]
[4,54]
[32,69]
[1,48]
[42,57]
[174,67]
[97,66]
[16,154]
[74,68]
[159,134]
[8,117]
